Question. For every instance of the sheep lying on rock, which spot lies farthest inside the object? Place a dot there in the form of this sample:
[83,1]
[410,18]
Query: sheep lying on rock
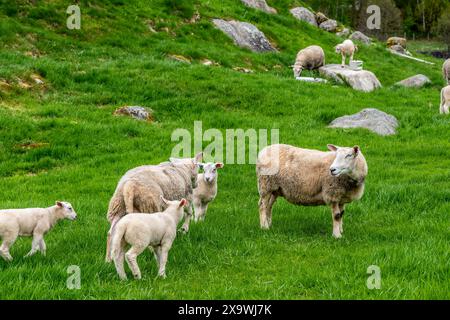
[310,178]
[310,58]
[139,190]
[346,48]
[206,190]
[446,70]
[445,100]
[33,222]
[140,231]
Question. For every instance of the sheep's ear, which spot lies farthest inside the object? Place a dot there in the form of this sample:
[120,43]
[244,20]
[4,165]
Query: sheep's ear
[219,165]
[59,204]
[163,199]
[332,147]
[198,157]
[183,202]
[356,150]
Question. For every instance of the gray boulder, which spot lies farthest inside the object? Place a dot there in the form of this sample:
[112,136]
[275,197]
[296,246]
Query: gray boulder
[373,119]
[304,14]
[359,36]
[136,112]
[244,35]
[417,81]
[260,5]
[330,25]
[361,80]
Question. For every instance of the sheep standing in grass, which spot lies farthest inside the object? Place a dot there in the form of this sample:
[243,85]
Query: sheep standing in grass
[206,190]
[310,178]
[139,190]
[445,100]
[446,71]
[310,58]
[346,48]
[140,231]
[35,222]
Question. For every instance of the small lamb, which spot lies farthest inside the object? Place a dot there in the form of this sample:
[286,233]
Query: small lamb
[346,48]
[33,222]
[445,100]
[206,190]
[142,230]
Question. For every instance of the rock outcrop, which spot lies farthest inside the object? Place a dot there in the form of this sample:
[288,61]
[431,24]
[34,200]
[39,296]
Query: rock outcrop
[245,35]
[372,119]
[361,80]
[304,14]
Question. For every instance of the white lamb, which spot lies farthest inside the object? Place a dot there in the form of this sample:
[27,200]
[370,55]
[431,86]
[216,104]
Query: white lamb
[346,48]
[33,222]
[142,230]
[206,190]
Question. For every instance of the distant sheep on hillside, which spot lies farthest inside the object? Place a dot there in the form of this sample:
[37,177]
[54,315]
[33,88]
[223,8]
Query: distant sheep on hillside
[309,58]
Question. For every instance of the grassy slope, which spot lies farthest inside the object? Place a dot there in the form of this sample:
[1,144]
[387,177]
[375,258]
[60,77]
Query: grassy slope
[401,224]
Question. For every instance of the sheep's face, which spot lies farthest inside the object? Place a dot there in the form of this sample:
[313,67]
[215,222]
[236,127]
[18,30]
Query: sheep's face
[66,210]
[345,161]
[210,171]
[297,71]
[338,48]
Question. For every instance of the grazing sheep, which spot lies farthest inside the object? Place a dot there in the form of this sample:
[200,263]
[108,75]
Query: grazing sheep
[310,58]
[346,48]
[446,70]
[140,231]
[310,178]
[33,222]
[445,100]
[139,190]
[206,190]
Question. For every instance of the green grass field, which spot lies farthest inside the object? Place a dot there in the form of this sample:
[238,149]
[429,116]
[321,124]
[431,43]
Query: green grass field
[60,141]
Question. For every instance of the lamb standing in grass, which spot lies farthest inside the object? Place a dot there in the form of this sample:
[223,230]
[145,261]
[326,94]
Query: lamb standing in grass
[139,190]
[35,222]
[446,71]
[310,58]
[141,230]
[206,190]
[310,178]
[445,100]
[346,48]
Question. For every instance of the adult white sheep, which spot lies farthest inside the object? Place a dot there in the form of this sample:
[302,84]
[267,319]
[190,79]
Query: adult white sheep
[33,222]
[445,100]
[446,70]
[310,178]
[310,58]
[346,48]
[206,190]
[141,230]
[139,190]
